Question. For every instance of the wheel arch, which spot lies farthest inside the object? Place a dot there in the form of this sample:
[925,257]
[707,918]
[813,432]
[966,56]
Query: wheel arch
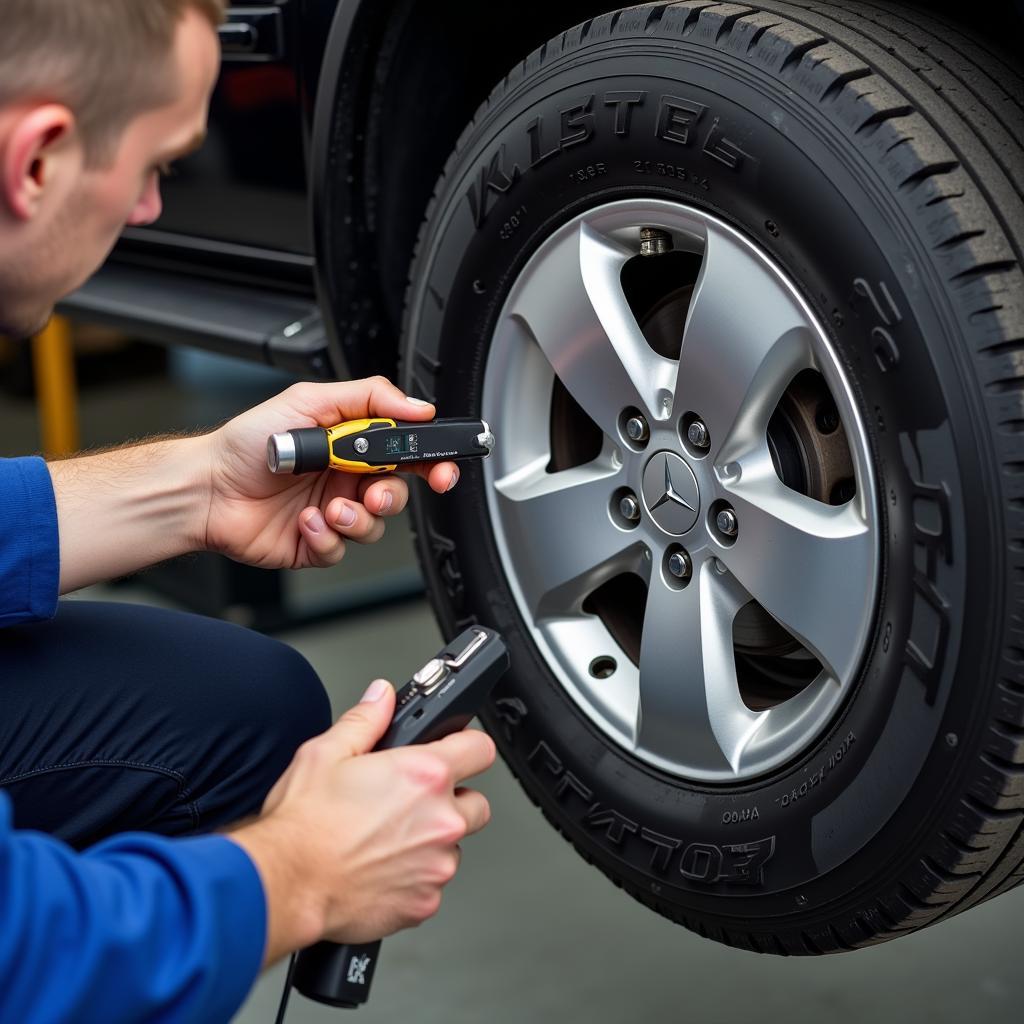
[376,152]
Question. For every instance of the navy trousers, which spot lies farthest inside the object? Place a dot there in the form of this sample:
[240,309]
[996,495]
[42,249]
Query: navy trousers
[119,718]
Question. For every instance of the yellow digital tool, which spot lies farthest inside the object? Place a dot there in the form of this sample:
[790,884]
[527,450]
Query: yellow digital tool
[377,445]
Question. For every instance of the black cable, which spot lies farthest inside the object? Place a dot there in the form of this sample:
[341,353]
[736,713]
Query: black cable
[287,990]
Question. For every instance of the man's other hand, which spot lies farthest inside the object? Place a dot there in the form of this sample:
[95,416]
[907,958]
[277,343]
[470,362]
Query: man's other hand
[353,846]
[299,521]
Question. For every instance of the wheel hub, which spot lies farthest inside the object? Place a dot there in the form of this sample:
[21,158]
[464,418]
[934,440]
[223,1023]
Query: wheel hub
[671,493]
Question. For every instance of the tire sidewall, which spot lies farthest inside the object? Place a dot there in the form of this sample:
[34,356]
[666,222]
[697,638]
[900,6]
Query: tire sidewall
[771,165]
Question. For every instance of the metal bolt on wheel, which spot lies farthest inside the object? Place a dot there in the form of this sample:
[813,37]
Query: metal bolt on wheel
[630,508]
[678,703]
[679,565]
[727,522]
[636,429]
[698,435]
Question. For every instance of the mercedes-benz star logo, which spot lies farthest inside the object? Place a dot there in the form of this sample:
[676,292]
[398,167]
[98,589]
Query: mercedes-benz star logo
[671,493]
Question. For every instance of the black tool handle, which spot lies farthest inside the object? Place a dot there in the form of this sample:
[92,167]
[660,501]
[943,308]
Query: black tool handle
[337,974]
[441,699]
[312,450]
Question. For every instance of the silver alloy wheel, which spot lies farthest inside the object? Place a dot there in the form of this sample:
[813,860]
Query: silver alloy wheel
[814,567]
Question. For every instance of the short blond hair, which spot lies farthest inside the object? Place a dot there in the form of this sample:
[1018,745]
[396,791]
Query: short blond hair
[107,60]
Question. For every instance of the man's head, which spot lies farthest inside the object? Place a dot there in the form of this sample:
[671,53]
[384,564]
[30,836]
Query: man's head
[95,98]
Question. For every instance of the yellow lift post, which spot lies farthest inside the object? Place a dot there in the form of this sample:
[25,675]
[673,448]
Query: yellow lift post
[53,360]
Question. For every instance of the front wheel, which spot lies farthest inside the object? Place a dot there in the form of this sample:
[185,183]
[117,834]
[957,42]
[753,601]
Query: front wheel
[738,291]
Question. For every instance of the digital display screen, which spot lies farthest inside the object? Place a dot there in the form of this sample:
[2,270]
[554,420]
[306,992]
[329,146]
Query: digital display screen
[401,444]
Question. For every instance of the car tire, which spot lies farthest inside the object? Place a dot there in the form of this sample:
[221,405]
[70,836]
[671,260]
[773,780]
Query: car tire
[862,163]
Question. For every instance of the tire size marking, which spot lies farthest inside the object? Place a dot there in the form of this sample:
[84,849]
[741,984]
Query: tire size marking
[698,862]
[671,171]
[735,817]
[816,777]
[511,226]
[582,174]
[675,120]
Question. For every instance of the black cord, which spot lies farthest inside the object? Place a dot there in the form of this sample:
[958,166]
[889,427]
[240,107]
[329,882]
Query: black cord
[287,990]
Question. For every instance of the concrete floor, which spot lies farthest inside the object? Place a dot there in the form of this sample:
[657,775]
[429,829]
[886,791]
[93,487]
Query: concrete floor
[529,932]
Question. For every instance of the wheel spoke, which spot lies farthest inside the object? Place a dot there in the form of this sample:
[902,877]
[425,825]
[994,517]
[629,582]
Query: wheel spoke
[808,564]
[558,525]
[690,705]
[744,341]
[578,314]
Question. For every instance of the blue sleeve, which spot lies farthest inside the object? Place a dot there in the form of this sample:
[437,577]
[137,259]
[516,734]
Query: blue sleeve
[29,546]
[138,928]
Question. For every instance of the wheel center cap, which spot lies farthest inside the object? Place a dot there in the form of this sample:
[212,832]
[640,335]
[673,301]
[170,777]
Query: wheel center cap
[671,493]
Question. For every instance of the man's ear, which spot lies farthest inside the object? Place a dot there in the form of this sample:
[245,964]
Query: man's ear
[40,146]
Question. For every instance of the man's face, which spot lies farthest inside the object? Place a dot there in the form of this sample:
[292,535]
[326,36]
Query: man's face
[88,207]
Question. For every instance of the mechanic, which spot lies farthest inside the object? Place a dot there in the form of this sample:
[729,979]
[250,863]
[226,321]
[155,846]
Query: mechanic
[150,864]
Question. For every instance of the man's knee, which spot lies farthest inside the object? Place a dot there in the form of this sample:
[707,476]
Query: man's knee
[221,707]
[259,704]
[288,696]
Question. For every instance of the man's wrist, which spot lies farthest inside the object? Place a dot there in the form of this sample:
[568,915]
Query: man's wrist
[199,462]
[296,910]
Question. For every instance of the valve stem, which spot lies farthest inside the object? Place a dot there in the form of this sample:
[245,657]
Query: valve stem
[654,242]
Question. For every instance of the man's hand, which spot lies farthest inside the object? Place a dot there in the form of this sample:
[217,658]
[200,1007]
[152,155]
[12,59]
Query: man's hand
[353,846]
[122,510]
[299,521]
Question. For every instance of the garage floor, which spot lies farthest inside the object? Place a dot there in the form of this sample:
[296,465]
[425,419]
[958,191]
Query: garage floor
[528,932]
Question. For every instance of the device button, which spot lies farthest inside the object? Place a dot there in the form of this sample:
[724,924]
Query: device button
[430,675]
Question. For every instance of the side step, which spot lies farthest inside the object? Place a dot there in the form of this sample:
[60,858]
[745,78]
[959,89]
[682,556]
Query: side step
[281,330]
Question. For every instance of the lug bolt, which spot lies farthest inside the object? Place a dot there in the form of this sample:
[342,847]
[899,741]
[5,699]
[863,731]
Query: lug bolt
[654,241]
[361,445]
[698,435]
[727,523]
[637,430]
[679,565]
[630,508]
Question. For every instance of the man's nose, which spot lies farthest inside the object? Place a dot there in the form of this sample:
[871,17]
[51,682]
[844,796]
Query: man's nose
[149,206]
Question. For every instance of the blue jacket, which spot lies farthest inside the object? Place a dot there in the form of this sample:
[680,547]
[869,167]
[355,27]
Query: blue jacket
[139,927]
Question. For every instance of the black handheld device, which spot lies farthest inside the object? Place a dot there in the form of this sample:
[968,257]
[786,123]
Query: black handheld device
[441,698]
[377,445]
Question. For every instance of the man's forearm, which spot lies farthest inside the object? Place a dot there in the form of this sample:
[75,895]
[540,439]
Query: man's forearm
[137,928]
[122,510]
